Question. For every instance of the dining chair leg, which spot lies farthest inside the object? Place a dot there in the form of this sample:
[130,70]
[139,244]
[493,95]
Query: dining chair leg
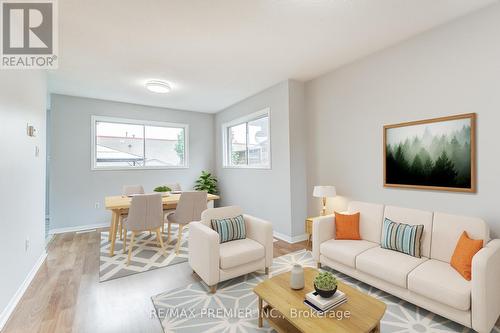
[163,228]
[179,239]
[168,232]
[159,238]
[125,240]
[120,227]
[130,247]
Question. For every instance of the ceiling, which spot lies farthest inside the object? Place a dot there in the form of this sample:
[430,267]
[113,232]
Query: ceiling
[216,53]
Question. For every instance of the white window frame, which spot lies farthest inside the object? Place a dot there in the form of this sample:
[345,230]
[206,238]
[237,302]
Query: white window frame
[226,164]
[95,119]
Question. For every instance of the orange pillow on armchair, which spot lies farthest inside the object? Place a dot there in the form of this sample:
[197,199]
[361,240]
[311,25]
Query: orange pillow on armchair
[462,256]
[347,226]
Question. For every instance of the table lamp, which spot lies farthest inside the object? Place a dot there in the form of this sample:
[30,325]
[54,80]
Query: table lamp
[324,192]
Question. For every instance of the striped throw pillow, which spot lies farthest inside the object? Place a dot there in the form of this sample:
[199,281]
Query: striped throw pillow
[229,229]
[402,237]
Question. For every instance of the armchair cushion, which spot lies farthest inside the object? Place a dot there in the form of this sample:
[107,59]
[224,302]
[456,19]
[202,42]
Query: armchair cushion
[240,252]
[219,213]
[229,229]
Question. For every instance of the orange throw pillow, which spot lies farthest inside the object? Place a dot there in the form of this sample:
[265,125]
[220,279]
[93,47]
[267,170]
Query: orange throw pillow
[347,226]
[462,256]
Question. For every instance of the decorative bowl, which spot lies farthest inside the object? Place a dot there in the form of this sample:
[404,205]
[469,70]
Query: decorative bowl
[325,293]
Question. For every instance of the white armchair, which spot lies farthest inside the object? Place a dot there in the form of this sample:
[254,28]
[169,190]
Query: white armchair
[215,262]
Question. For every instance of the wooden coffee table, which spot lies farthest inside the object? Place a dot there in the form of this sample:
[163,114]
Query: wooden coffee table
[284,304]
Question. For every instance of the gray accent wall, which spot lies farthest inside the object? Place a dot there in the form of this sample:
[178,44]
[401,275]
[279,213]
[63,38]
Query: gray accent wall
[298,156]
[22,181]
[75,189]
[269,193]
[450,70]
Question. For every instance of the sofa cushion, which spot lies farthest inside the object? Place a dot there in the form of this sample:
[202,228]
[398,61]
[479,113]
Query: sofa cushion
[387,265]
[345,251]
[240,252]
[465,250]
[446,230]
[370,219]
[402,237]
[347,226]
[438,281]
[413,217]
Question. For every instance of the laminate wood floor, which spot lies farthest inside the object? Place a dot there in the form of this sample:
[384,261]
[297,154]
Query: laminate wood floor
[66,296]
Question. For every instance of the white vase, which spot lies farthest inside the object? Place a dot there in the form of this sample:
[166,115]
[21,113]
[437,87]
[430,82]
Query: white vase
[297,277]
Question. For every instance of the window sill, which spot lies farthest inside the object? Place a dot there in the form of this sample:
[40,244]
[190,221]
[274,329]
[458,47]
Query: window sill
[138,168]
[258,167]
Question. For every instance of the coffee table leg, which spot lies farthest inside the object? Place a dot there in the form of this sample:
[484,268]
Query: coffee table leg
[261,313]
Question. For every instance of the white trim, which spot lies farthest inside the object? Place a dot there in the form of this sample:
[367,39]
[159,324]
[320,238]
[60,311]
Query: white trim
[288,239]
[119,120]
[78,228]
[49,239]
[11,306]
[225,145]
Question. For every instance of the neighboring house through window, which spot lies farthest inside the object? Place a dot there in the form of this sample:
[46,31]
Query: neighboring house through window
[138,144]
[246,141]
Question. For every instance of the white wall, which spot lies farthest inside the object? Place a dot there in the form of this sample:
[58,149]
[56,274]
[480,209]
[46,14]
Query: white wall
[451,70]
[22,181]
[75,188]
[263,193]
[267,193]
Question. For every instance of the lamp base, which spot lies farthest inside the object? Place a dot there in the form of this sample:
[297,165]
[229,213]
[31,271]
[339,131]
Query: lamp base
[323,211]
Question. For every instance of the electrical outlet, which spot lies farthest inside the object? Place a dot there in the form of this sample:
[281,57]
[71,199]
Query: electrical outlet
[27,244]
[97,205]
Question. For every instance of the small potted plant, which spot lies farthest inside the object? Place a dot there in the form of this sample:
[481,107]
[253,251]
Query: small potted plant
[206,182]
[325,284]
[163,189]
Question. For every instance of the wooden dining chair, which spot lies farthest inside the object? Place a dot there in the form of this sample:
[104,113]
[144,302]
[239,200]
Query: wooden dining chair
[145,214]
[189,208]
[128,190]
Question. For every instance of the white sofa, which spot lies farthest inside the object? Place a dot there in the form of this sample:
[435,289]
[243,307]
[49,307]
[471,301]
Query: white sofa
[215,262]
[429,282]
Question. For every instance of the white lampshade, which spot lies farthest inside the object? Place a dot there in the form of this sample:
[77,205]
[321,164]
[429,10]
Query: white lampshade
[324,191]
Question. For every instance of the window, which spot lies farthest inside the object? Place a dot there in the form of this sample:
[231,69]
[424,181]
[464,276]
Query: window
[246,141]
[134,144]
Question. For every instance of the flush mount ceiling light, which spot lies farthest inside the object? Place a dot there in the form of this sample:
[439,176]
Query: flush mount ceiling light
[157,86]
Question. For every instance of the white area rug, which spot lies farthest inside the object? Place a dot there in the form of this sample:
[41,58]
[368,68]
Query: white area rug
[181,310]
[146,255]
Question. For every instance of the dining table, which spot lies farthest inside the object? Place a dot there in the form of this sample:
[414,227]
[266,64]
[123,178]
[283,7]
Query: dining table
[119,205]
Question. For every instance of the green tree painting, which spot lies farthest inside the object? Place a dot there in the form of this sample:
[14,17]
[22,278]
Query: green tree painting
[436,154]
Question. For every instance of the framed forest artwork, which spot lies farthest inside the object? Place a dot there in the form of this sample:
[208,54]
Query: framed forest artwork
[433,154]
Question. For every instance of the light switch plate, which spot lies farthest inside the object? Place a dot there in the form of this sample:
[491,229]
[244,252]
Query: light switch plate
[31,130]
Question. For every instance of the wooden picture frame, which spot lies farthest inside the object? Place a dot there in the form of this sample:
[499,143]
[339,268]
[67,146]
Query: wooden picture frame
[416,156]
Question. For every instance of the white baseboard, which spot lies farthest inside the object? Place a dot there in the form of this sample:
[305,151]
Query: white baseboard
[78,228]
[288,239]
[7,312]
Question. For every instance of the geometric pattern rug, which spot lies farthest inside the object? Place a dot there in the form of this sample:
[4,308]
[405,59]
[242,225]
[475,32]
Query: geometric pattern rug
[233,308]
[146,254]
